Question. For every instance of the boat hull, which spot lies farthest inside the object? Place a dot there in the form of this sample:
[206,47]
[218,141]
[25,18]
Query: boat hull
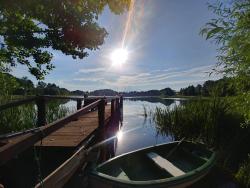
[98,177]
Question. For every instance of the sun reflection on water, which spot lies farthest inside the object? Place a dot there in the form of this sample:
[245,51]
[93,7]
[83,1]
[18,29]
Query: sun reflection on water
[119,135]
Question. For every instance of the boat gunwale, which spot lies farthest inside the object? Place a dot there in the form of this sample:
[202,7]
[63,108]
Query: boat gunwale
[196,173]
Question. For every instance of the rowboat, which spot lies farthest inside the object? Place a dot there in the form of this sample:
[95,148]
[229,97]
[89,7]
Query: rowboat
[176,164]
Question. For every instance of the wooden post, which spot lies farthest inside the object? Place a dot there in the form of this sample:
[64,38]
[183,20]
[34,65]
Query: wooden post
[79,104]
[121,108]
[116,104]
[112,107]
[41,111]
[121,102]
[101,113]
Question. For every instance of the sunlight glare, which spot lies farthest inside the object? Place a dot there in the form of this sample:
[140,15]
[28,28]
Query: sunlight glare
[119,135]
[119,56]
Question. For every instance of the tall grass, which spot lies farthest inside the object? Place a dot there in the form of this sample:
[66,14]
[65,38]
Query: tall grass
[243,174]
[18,118]
[25,116]
[215,122]
[56,110]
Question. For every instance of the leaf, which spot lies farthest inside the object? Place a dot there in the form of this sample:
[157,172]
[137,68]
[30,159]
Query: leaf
[214,31]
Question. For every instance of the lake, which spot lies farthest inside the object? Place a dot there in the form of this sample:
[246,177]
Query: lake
[138,131]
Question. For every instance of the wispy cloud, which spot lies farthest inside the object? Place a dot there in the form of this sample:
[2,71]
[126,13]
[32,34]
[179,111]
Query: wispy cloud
[153,79]
[92,70]
[89,79]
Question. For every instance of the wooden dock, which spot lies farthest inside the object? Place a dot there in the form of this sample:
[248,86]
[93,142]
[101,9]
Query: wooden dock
[73,131]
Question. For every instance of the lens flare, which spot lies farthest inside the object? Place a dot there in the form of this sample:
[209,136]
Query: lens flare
[119,56]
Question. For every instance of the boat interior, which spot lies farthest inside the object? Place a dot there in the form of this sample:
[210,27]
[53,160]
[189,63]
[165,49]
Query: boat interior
[158,162]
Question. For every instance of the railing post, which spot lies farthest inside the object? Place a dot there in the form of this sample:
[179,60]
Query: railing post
[121,101]
[101,113]
[121,108]
[41,111]
[116,104]
[79,104]
[112,107]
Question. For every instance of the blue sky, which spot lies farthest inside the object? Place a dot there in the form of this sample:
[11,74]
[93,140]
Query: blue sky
[164,50]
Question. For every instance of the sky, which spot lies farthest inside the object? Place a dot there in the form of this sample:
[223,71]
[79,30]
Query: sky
[164,48]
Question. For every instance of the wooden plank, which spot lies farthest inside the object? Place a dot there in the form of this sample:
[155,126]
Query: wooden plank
[73,133]
[23,142]
[63,173]
[165,164]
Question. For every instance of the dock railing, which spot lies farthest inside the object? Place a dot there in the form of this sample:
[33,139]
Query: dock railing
[31,136]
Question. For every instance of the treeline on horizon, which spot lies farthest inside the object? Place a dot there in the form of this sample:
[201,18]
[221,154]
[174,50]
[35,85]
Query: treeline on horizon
[23,86]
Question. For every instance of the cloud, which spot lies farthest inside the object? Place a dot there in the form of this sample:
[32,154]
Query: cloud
[156,78]
[92,70]
[89,79]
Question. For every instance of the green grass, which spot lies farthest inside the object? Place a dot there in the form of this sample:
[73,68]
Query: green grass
[221,123]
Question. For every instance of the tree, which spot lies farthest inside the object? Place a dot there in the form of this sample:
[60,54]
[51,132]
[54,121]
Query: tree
[167,92]
[8,85]
[29,28]
[198,89]
[230,30]
[189,91]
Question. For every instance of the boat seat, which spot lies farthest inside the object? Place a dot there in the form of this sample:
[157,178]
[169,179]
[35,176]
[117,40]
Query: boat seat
[165,164]
[123,175]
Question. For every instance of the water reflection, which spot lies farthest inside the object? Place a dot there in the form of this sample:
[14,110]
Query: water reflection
[136,130]
[119,135]
[166,102]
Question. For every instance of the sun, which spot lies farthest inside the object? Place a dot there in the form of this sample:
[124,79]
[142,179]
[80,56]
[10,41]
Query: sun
[119,57]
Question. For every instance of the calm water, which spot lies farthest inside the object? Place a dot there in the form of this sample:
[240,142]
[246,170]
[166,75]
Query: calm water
[137,130]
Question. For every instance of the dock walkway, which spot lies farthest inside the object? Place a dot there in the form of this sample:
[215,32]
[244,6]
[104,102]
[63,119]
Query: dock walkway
[75,132]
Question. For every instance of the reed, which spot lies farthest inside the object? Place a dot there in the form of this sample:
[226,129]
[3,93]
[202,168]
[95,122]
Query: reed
[25,116]
[145,111]
[243,174]
[215,122]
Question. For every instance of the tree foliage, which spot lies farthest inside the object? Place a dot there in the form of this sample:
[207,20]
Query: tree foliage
[222,87]
[231,31]
[30,28]
[8,85]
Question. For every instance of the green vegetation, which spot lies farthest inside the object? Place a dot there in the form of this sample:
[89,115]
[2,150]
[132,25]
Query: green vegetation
[223,120]
[18,118]
[231,32]
[163,93]
[25,116]
[23,86]
[243,175]
[29,28]
[223,87]
[217,122]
